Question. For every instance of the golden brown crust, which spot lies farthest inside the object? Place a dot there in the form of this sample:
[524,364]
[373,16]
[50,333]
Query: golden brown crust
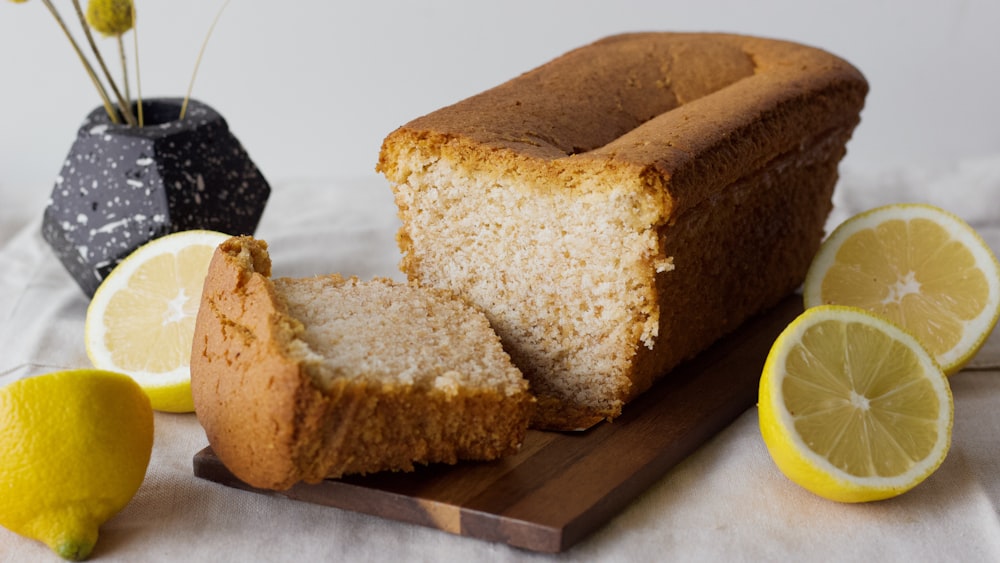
[272,425]
[765,230]
[688,112]
[732,141]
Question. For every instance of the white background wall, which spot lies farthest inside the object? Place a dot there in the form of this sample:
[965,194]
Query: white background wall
[311,87]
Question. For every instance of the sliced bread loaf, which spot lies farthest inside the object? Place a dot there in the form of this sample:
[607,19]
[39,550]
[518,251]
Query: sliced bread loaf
[310,378]
[617,210]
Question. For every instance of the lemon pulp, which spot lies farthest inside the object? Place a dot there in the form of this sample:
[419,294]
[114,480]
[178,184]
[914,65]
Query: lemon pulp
[158,301]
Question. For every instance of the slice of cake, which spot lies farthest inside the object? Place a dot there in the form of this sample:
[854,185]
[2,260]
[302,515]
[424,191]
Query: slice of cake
[618,209]
[304,379]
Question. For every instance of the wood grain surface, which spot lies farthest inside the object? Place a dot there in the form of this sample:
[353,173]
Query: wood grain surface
[562,486]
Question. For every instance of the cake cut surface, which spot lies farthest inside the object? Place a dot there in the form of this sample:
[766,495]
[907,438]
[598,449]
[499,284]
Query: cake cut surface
[384,333]
[310,378]
[618,209]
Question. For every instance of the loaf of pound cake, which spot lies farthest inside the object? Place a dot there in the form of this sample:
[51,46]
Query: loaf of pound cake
[309,378]
[618,209]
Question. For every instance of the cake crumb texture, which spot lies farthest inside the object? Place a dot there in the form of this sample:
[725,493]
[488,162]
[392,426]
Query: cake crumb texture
[312,378]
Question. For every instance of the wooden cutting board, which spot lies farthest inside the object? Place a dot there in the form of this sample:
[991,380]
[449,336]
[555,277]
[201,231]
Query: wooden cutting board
[562,486]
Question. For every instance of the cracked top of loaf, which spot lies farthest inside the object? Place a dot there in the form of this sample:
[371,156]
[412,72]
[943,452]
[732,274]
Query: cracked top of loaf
[679,115]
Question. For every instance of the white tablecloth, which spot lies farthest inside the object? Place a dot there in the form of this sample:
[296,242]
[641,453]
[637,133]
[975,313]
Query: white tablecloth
[727,501]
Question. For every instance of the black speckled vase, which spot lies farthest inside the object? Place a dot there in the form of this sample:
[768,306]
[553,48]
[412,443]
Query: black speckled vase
[122,186]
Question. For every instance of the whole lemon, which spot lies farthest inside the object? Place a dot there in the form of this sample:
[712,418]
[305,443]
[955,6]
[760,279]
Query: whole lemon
[75,446]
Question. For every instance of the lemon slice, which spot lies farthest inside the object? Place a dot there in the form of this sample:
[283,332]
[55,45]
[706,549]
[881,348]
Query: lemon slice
[141,319]
[918,266]
[852,407]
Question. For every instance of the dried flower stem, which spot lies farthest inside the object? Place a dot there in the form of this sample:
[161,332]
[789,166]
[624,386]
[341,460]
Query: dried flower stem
[121,56]
[197,61]
[112,114]
[122,104]
[138,83]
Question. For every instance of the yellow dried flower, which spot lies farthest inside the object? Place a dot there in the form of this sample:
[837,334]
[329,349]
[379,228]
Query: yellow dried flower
[19,1]
[110,17]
